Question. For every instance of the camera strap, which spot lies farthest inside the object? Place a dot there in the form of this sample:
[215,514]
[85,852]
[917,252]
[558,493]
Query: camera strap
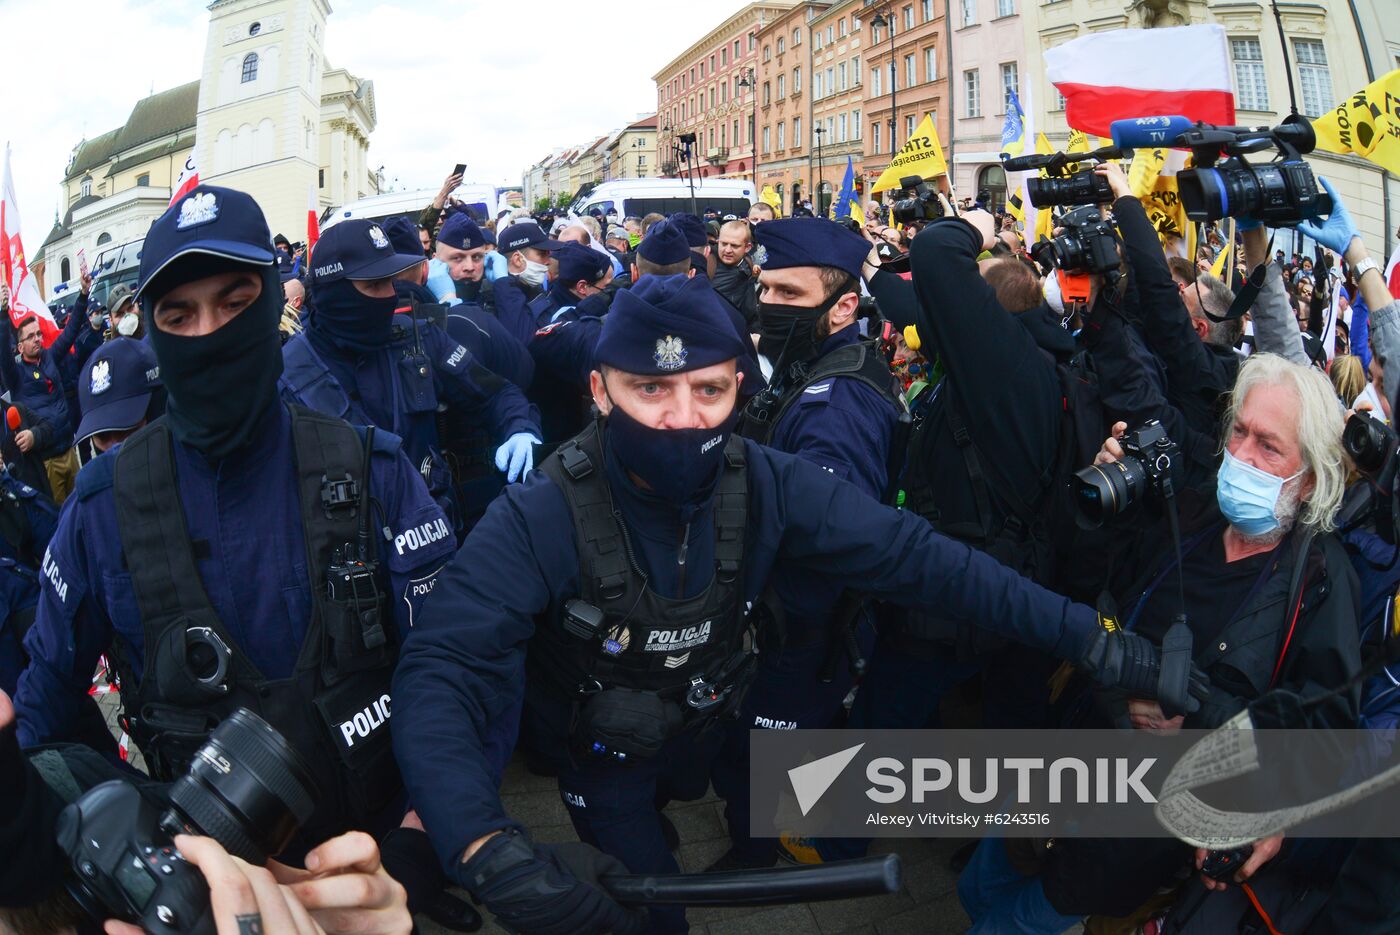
[1249,292]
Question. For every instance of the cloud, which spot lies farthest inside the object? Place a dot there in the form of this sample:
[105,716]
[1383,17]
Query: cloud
[495,85]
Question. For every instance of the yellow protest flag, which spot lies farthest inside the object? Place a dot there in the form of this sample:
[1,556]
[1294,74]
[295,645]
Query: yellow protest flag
[1016,205]
[1044,217]
[769,197]
[1217,269]
[1142,174]
[1162,201]
[1366,123]
[922,155]
[1078,142]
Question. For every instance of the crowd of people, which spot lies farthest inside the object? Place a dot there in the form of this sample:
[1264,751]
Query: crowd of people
[612,492]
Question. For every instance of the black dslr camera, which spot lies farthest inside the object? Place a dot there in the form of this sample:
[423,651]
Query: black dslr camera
[1106,490]
[1375,450]
[1065,184]
[919,202]
[1279,193]
[246,788]
[1088,244]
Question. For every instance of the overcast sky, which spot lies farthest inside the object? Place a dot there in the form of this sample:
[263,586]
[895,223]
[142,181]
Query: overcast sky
[507,83]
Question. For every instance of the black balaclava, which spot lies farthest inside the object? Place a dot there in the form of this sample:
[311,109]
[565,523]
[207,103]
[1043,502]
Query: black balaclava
[352,319]
[787,334]
[218,384]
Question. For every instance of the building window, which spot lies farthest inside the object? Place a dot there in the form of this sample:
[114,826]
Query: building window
[1008,84]
[104,238]
[876,80]
[766,137]
[818,87]
[972,93]
[928,10]
[875,138]
[796,131]
[724,93]
[841,27]
[909,17]
[320,178]
[797,80]
[855,124]
[817,41]
[65,270]
[254,29]
[782,136]
[855,71]
[310,67]
[250,67]
[842,125]
[796,37]
[767,94]
[911,74]
[830,38]
[1313,76]
[909,127]
[712,137]
[841,76]
[736,48]
[782,45]
[712,64]
[143,180]
[641,160]
[782,87]
[735,135]
[969,12]
[724,56]
[831,81]
[855,24]
[931,64]
[768,53]
[1006,7]
[85,187]
[1251,89]
[753,41]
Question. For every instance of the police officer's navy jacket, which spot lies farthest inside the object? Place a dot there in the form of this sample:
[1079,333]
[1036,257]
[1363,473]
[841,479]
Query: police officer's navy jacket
[40,385]
[513,297]
[245,518]
[462,666]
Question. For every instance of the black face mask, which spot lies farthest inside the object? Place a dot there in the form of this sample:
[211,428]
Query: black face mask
[679,465]
[352,319]
[787,334]
[218,384]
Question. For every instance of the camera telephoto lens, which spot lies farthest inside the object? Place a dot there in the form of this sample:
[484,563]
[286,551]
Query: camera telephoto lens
[246,788]
[1081,188]
[1367,441]
[1105,490]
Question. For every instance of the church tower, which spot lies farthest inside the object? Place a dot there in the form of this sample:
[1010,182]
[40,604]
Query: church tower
[258,122]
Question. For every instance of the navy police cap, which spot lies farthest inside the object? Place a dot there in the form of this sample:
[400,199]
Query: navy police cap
[811,242]
[357,250]
[667,324]
[579,262]
[460,232]
[525,234]
[664,244]
[403,234]
[692,227]
[115,388]
[210,220]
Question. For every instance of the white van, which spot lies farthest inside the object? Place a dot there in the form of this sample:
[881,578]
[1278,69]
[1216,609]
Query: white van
[640,197]
[485,199]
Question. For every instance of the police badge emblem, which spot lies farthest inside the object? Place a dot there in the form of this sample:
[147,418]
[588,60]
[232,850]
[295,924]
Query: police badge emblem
[617,641]
[101,377]
[377,237]
[670,353]
[197,209]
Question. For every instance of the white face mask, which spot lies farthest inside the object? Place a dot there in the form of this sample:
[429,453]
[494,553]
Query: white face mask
[534,273]
[128,324]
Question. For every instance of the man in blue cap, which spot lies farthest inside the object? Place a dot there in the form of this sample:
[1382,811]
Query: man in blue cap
[239,551]
[457,270]
[119,391]
[696,238]
[581,274]
[610,592]
[526,249]
[831,400]
[357,361]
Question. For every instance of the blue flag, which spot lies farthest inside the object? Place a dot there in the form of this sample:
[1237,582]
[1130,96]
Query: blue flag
[847,202]
[1013,131]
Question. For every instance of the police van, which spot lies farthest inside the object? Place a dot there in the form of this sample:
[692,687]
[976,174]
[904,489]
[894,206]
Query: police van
[486,200]
[115,266]
[640,197]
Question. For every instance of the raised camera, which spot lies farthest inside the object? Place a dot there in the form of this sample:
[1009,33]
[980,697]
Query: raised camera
[1279,193]
[1086,244]
[919,202]
[246,788]
[1106,490]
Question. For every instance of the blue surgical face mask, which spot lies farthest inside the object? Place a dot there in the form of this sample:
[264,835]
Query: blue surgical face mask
[1248,497]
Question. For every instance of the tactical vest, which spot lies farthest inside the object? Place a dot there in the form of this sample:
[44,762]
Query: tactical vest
[861,361]
[335,707]
[692,655]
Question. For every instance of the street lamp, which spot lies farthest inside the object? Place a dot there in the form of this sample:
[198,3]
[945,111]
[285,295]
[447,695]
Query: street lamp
[747,81]
[819,130]
[884,16]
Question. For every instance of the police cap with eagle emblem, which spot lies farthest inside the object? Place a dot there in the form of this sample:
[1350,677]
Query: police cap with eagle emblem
[664,244]
[460,232]
[116,386]
[580,263]
[665,325]
[357,250]
[792,242]
[210,221]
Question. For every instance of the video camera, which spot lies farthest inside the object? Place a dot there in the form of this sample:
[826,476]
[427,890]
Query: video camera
[246,788]
[919,202]
[1088,244]
[1279,193]
[1062,187]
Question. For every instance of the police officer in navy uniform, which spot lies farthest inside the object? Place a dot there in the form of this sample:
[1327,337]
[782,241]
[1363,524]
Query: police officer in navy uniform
[119,391]
[226,555]
[583,274]
[458,267]
[358,361]
[832,401]
[526,249]
[611,590]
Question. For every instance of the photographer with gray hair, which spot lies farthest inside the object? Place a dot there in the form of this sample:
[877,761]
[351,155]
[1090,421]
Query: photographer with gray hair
[1270,599]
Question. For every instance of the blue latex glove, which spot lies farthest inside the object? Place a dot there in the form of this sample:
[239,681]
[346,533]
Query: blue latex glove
[495,266]
[1337,231]
[441,284]
[517,456]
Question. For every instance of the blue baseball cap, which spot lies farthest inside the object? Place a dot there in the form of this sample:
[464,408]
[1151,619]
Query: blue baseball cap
[525,234]
[579,262]
[403,234]
[664,244]
[210,220]
[692,227]
[794,242]
[460,232]
[115,388]
[357,250]
[668,324]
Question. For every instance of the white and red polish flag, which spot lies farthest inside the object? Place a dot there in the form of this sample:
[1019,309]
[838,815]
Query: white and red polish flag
[313,226]
[1121,73]
[189,178]
[25,299]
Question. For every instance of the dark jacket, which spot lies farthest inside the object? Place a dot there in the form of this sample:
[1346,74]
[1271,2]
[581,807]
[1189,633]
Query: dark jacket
[40,385]
[513,297]
[739,288]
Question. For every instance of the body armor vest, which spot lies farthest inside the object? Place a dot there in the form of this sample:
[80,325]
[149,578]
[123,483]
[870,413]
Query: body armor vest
[335,707]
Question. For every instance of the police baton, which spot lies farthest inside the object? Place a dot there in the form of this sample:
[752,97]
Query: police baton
[842,879]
